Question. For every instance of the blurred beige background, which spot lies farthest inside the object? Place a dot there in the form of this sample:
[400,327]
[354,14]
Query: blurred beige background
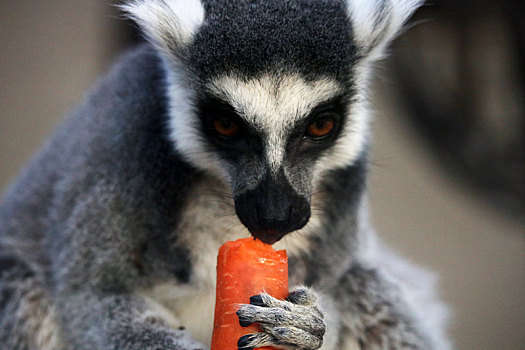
[52,51]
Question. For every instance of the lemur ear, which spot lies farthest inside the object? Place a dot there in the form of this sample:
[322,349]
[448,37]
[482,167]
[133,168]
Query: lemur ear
[376,22]
[168,24]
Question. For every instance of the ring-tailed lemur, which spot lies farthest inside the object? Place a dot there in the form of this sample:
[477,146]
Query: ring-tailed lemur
[239,117]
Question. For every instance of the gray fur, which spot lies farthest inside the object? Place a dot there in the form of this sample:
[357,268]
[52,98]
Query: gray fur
[108,237]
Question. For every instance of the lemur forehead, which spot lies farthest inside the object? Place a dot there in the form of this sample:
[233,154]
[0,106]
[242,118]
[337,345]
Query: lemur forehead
[248,36]
[274,101]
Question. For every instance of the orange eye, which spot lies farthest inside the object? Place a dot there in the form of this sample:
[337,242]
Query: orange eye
[321,127]
[225,127]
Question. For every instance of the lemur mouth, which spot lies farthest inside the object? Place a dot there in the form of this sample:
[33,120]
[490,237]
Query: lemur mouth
[269,236]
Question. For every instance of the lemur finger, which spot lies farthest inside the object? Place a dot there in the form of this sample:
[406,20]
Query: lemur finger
[266,300]
[294,337]
[276,316]
[299,299]
[257,340]
[254,340]
[301,295]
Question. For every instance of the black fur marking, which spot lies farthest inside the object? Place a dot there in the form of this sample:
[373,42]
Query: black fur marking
[11,265]
[249,36]
[15,283]
[303,148]
[248,140]
[7,262]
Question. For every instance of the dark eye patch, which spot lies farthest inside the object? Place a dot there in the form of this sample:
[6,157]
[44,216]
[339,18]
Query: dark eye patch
[333,110]
[212,109]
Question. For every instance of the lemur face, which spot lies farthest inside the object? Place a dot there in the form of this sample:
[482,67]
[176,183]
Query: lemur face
[269,95]
[270,134]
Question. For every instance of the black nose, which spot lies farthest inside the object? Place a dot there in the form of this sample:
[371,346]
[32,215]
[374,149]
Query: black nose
[283,214]
[272,209]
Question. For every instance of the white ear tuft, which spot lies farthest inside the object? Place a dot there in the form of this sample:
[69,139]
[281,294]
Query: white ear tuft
[376,22]
[168,24]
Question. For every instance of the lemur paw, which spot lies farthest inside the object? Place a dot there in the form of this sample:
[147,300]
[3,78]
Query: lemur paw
[294,323]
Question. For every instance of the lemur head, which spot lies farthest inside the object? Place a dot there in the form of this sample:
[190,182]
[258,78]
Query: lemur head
[269,95]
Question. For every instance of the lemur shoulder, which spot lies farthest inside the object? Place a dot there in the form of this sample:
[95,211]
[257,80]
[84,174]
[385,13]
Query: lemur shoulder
[237,118]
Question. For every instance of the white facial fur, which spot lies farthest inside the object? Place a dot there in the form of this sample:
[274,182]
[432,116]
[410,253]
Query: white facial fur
[273,104]
[376,23]
[185,128]
[167,23]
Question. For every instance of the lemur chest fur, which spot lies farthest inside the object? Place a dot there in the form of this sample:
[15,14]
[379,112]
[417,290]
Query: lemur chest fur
[207,222]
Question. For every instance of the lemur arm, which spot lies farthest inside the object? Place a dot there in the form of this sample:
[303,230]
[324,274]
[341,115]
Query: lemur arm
[117,321]
[96,280]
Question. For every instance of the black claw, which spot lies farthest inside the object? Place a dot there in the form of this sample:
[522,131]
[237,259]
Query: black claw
[242,343]
[257,300]
[243,320]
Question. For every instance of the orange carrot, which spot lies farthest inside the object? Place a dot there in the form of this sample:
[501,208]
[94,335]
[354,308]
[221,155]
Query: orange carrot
[245,267]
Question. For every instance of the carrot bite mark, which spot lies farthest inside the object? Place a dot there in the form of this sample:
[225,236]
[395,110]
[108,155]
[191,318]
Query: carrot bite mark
[245,267]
